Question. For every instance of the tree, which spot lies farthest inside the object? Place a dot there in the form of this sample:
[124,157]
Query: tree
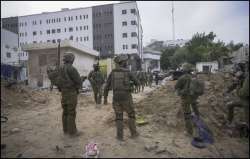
[165,57]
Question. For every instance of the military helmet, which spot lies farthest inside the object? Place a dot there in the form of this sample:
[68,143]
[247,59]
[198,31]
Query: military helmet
[187,67]
[120,58]
[69,57]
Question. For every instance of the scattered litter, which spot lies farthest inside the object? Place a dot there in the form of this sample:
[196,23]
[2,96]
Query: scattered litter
[140,120]
[91,150]
[15,130]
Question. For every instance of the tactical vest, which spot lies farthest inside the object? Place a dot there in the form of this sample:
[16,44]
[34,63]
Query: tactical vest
[120,81]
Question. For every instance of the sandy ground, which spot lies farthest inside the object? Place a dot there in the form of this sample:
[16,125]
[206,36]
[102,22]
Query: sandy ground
[34,129]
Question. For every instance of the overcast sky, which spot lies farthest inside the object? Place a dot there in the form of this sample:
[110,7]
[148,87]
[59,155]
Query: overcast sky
[228,19]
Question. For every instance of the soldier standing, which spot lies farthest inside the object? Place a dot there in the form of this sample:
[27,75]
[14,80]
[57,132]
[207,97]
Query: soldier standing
[119,80]
[189,96]
[69,90]
[97,80]
[241,86]
[150,79]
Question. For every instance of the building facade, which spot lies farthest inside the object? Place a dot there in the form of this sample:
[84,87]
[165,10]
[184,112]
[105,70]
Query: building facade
[44,55]
[212,66]
[151,60]
[110,29]
[13,64]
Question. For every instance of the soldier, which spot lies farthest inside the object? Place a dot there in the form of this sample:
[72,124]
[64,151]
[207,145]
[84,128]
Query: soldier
[189,94]
[97,80]
[142,80]
[119,79]
[69,90]
[150,79]
[241,86]
[156,78]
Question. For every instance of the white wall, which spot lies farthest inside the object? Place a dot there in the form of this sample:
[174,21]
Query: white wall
[119,41]
[57,25]
[214,65]
[83,63]
[9,40]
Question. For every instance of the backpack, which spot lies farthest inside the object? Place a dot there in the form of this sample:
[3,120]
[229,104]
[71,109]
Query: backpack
[59,77]
[196,87]
[121,81]
[54,76]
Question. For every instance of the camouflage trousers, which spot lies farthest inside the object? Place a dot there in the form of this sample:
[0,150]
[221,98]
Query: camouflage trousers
[242,103]
[69,102]
[98,94]
[187,104]
[119,107]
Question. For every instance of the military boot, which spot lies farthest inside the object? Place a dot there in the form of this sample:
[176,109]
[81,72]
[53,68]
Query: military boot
[119,127]
[132,128]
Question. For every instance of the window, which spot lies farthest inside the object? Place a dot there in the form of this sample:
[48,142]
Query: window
[133,34]
[80,27]
[25,33]
[132,11]
[76,28]
[25,24]
[134,46]
[87,27]
[76,17]
[34,33]
[65,19]
[84,38]
[87,16]
[70,29]
[48,41]
[77,39]
[65,29]
[124,11]
[71,18]
[41,32]
[47,21]
[48,31]
[83,16]
[71,37]
[68,18]
[8,54]
[53,31]
[58,30]
[59,20]
[80,16]
[87,38]
[40,21]
[133,22]
[34,42]
[124,23]
[124,35]
[80,38]
[84,27]
[53,41]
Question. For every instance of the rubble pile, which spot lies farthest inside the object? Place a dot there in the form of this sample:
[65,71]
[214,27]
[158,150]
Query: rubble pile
[19,95]
[163,106]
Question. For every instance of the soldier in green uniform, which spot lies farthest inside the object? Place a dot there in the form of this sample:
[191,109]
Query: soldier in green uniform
[97,80]
[188,96]
[150,79]
[71,83]
[142,80]
[241,85]
[119,80]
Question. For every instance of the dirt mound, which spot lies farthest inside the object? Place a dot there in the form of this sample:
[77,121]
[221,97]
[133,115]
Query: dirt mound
[163,106]
[20,95]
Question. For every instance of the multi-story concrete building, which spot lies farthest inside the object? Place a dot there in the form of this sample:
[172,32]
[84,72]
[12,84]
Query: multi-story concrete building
[110,29]
[12,63]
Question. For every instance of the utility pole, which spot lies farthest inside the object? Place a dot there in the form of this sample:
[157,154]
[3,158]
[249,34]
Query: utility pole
[173,20]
